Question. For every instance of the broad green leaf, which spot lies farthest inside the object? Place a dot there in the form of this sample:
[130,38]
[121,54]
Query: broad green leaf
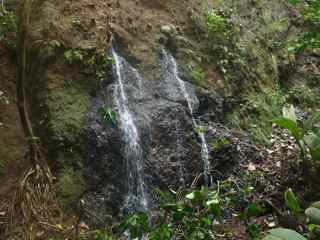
[291,126]
[283,234]
[292,202]
[314,215]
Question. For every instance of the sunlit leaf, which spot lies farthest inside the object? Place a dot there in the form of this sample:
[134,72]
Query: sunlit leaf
[292,202]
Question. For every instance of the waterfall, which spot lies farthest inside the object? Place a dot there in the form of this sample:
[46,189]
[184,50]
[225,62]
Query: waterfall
[136,198]
[171,73]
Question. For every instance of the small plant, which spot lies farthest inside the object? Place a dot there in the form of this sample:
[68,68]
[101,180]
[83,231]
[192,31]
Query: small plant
[107,115]
[197,75]
[219,143]
[94,62]
[311,219]
[308,137]
[215,23]
[199,130]
[292,202]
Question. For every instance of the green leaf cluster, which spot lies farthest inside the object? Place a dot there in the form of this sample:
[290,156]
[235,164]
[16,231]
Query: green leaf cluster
[107,115]
[307,138]
[182,216]
[310,11]
[215,22]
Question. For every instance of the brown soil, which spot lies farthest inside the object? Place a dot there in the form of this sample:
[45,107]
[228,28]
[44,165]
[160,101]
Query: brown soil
[12,143]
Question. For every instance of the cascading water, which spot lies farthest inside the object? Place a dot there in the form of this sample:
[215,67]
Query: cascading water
[171,73]
[136,199]
[179,151]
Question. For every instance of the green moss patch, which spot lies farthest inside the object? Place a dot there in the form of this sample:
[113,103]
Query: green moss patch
[67,108]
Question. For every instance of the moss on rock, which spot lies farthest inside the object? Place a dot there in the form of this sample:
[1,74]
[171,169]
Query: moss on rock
[67,107]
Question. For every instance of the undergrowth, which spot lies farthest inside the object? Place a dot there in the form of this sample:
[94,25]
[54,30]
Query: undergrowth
[255,113]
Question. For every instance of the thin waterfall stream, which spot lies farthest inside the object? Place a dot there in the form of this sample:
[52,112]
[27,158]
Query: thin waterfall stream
[136,198]
[171,69]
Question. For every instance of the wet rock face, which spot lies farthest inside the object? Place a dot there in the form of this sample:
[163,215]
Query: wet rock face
[171,148]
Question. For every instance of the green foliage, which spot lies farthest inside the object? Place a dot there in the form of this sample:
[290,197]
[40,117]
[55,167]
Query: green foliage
[94,62]
[283,234]
[252,210]
[197,75]
[255,113]
[215,23]
[199,130]
[107,115]
[137,225]
[310,11]
[186,216]
[217,144]
[308,138]
[292,202]
[193,215]
[8,27]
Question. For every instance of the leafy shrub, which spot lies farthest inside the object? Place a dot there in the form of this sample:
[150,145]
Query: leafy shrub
[310,11]
[186,216]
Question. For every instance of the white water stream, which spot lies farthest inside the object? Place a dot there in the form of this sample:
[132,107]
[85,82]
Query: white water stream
[136,199]
[173,73]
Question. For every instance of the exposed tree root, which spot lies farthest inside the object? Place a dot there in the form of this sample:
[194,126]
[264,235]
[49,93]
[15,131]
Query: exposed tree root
[34,201]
